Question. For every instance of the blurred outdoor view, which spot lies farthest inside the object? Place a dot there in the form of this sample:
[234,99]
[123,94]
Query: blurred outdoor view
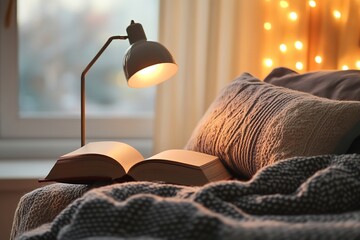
[58,38]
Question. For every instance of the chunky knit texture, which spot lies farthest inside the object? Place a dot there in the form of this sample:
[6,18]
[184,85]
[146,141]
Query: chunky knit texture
[300,198]
[43,205]
[252,124]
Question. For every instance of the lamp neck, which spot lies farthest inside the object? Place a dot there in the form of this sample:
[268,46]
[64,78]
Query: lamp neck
[82,88]
[135,32]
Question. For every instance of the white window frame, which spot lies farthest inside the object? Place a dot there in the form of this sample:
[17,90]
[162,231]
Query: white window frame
[28,137]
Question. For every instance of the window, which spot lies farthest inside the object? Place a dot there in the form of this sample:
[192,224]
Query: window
[43,55]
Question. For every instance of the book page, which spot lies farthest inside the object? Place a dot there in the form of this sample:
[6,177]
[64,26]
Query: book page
[185,157]
[123,153]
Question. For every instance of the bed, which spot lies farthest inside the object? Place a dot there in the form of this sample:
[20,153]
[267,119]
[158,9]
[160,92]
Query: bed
[291,145]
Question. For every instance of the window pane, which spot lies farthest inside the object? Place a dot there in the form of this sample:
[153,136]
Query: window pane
[58,38]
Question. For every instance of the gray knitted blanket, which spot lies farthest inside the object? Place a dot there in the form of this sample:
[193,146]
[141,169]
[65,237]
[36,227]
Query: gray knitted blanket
[298,198]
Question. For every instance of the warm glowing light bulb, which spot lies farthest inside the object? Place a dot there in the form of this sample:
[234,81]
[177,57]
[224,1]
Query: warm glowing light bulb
[284,4]
[149,71]
[283,47]
[293,16]
[337,14]
[345,67]
[318,59]
[357,64]
[152,75]
[298,45]
[299,66]
[267,26]
[268,62]
[312,3]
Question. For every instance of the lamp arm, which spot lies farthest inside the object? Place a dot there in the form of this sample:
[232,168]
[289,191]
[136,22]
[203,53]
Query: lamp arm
[82,88]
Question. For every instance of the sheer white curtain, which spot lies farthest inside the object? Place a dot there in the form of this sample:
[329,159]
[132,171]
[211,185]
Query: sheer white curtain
[213,41]
[205,40]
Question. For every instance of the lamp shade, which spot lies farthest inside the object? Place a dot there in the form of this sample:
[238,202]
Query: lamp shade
[146,63]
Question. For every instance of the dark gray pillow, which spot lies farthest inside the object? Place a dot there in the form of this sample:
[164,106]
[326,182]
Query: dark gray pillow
[355,146]
[332,84]
[252,124]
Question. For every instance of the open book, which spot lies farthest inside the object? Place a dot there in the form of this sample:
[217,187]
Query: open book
[116,161]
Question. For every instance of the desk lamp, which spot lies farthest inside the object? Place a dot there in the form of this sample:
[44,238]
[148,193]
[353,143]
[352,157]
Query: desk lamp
[145,64]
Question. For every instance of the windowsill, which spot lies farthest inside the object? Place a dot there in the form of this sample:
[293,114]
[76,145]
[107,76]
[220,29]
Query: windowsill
[25,169]
[33,159]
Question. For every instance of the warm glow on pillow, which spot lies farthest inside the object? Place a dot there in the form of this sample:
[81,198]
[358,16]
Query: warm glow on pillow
[252,124]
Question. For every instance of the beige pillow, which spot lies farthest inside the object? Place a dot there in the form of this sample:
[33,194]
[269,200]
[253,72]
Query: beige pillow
[332,84]
[252,124]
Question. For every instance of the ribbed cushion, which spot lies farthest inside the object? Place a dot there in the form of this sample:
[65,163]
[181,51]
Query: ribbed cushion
[332,84]
[252,124]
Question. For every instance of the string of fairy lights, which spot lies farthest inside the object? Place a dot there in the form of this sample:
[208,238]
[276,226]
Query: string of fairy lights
[284,48]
